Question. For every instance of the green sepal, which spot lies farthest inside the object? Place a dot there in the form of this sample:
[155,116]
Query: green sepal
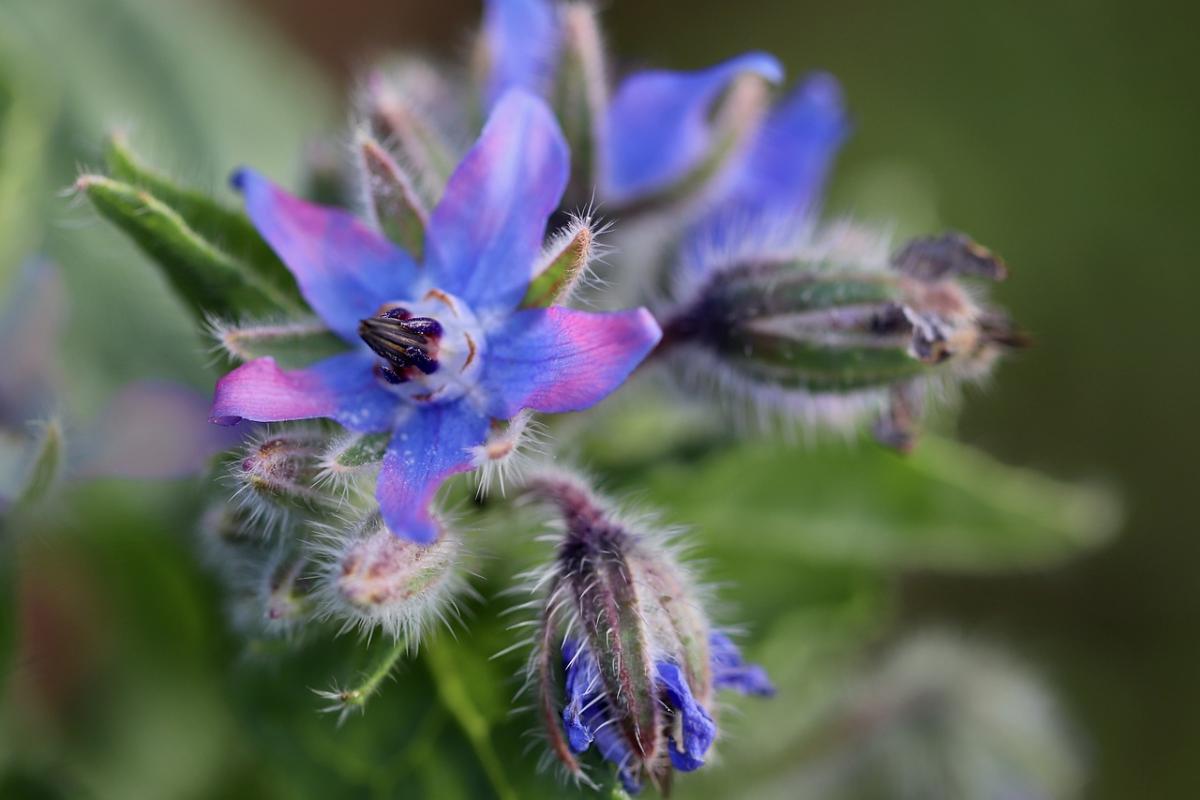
[564,269]
[208,279]
[356,452]
[392,198]
[291,343]
[228,229]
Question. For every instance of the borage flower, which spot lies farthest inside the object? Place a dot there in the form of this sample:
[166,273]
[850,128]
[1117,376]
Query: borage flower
[439,349]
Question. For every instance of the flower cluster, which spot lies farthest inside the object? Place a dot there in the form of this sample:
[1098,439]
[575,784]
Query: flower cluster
[379,352]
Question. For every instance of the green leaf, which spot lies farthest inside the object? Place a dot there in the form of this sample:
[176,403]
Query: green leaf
[292,344]
[947,506]
[44,466]
[23,136]
[230,230]
[569,256]
[209,279]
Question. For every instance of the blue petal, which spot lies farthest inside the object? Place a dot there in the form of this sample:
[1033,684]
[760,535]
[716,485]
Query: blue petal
[581,714]
[486,233]
[783,171]
[344,269]
[731,672]
[522,39]
[428,447]
[342,388]
[657,127]
[698,727]
[558,359]
[587,718]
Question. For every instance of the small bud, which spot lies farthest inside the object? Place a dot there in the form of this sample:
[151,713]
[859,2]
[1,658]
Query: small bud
[827,330]
[227,534]
[409,109]
[275,595]
[640,661]
[373,578]
[277,473]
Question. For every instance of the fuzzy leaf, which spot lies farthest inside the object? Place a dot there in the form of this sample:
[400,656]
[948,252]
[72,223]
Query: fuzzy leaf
[392,199]
[292,344]
[947,506]
[563,270]
[45,464]
[230,230]
[209,279]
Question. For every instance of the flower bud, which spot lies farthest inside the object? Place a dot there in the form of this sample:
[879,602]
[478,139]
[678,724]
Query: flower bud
[831,329]
[278,473]
[276,595]
[640,661]
[412,110]
[373,578]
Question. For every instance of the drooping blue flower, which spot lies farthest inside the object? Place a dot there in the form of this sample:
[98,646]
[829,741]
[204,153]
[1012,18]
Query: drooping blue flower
[587,718]
[438,349]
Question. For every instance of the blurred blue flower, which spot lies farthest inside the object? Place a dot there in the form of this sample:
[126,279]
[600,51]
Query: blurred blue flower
[442,348]
[653,132]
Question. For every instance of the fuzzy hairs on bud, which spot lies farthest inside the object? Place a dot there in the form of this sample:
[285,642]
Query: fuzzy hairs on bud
[369,578]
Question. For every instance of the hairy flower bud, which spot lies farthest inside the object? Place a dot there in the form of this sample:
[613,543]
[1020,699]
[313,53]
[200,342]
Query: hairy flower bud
[275,594]
[278,472]
[373,578]
[831,328]
[639,659]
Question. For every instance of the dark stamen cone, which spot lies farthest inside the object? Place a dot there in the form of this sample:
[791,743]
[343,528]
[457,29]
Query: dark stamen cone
[403,341]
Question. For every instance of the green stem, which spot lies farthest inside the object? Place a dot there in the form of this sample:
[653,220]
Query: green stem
[453,694]
[357,697]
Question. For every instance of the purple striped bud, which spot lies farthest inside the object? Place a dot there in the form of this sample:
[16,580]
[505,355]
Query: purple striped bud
[625,658]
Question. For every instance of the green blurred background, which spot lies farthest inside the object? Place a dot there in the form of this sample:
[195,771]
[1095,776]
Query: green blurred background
[1061,134]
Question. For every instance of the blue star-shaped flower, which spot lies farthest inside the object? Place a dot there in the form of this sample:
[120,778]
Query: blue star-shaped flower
[439,349]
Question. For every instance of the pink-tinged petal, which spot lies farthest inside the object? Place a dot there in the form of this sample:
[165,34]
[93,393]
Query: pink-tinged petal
[152,431]
[559,359]
[487,231]
[657,129]
[428,447]
[783,171]
[344,269]
[522,40]
[343,388]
